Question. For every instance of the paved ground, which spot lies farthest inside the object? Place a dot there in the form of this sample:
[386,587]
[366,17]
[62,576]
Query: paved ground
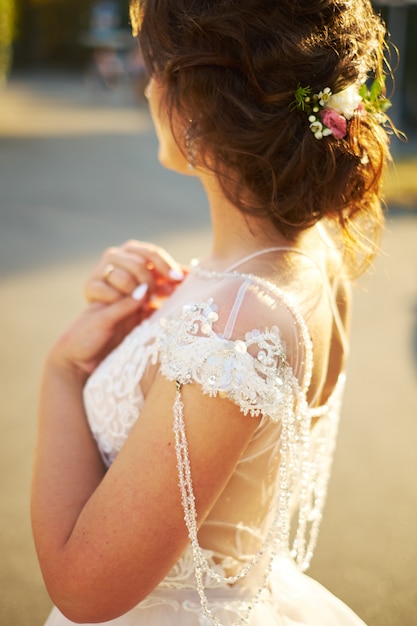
[78,172]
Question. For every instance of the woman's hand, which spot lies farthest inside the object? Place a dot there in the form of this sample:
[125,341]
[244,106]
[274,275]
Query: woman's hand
[123,290]
[94,333]
[141,270]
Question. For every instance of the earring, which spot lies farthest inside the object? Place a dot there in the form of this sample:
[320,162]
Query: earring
[189,144]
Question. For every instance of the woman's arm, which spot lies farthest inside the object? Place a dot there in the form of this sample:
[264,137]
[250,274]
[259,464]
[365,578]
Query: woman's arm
[106,539]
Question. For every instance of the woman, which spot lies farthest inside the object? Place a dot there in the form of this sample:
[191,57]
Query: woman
[188,416]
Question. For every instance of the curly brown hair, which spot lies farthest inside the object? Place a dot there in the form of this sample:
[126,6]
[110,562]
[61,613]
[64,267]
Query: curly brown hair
[232,66]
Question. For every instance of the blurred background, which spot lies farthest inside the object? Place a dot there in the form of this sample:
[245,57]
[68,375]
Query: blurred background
[79,172]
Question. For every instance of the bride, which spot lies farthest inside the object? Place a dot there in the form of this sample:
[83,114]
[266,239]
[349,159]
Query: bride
[188,417]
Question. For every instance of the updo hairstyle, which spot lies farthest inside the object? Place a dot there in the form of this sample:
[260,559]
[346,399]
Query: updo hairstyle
[230,69]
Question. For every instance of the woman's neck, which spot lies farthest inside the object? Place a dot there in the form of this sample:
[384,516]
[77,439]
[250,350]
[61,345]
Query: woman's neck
[236,234]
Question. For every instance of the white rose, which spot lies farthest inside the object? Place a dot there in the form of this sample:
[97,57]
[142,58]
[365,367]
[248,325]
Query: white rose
[345,102]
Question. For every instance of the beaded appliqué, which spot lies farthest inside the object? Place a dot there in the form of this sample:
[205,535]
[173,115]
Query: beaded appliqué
[253,373]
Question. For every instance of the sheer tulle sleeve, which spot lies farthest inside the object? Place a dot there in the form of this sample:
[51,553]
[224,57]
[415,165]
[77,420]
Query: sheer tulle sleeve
[252,370]
[244,343]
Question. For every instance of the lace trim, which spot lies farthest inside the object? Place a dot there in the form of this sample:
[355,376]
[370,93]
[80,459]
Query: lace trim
[112,395]
[253,372]
[182,576]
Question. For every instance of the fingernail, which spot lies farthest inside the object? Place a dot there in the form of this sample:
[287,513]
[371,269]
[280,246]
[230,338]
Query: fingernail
[139,292]
[175,274]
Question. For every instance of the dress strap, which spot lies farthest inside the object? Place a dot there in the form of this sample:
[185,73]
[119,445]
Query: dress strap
[253,255]
[329,288]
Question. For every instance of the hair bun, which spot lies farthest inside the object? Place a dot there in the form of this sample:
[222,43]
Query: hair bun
[233,68]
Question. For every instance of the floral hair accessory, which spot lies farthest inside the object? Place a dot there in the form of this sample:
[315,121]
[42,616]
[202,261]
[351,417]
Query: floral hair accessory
[329,113]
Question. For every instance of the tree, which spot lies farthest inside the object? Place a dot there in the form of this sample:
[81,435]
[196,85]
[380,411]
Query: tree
[7,25]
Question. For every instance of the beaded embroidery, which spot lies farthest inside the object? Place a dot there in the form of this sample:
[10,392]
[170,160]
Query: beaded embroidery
[192,351]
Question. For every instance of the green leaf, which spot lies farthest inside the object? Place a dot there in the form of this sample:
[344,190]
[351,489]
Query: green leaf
[376,89]
[301,93]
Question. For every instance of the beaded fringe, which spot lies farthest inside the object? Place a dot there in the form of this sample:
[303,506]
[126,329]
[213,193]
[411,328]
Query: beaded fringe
[298,466]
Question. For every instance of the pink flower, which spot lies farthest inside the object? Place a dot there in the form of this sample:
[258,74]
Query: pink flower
[334,122]
[361,110]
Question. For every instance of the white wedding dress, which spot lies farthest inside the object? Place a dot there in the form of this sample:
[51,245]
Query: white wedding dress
[245,337]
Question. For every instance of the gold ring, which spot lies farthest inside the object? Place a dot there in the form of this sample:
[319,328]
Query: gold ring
[108,270]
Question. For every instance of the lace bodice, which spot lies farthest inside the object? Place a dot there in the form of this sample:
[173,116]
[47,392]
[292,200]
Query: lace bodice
[243,338]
